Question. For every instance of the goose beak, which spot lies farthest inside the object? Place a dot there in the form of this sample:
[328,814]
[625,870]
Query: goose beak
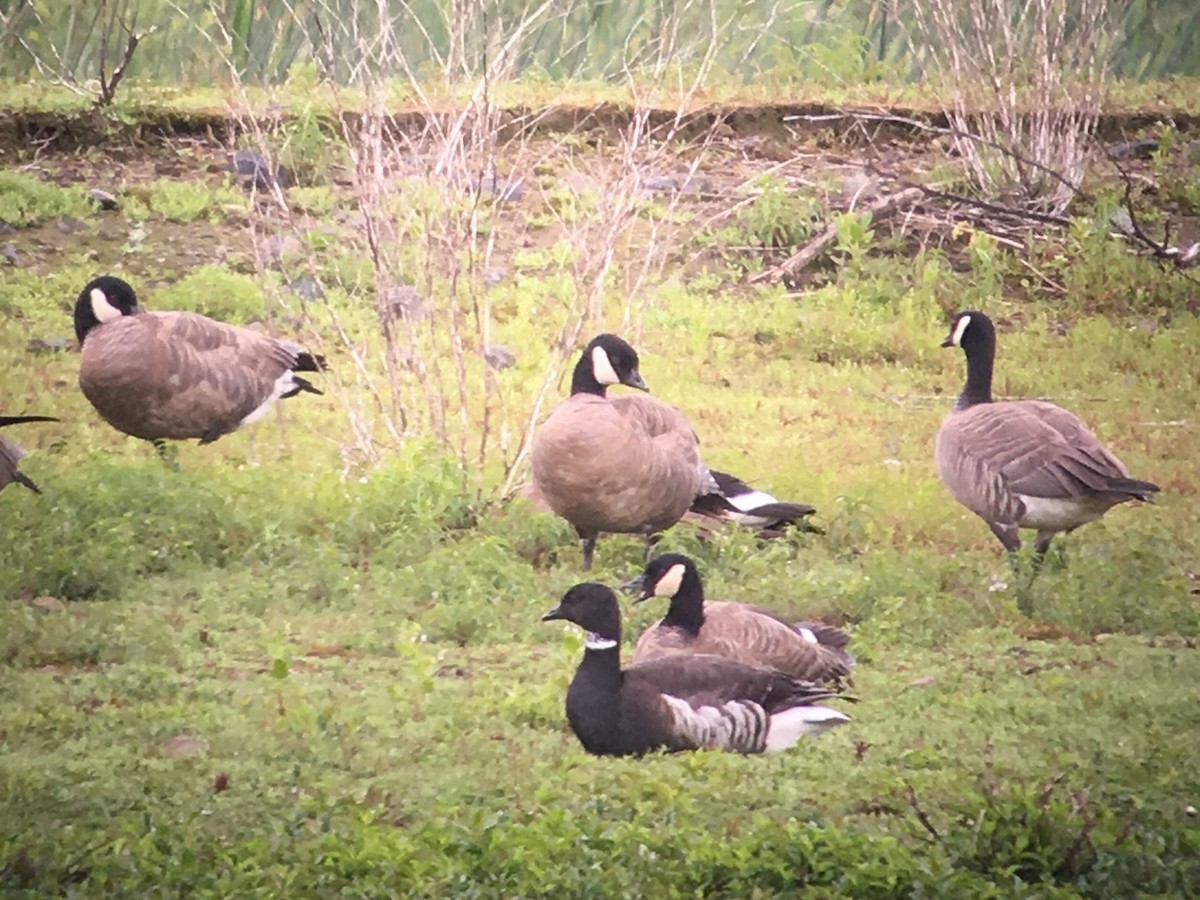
[634,380]
[555,613]
[638,584]
[949,341]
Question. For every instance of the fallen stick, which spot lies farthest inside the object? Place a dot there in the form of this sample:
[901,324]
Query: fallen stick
[818,245]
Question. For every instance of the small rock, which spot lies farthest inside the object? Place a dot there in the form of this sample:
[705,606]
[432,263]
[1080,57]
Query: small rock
[493,277]
[306,289]
[277,245]
[49,345]
[183,745]
[103,199]
[9,252]
[924,681]
[494,186]
[499,357]
[257,171]
[70,225]
[401,302]
[672,184]
[1142,149]
[48,604]
[1120,222]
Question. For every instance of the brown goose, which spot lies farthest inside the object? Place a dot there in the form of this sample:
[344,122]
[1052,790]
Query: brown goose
[10,454]
[175,375]
[1023,463]
[749,634]
[622,464]
[678,703]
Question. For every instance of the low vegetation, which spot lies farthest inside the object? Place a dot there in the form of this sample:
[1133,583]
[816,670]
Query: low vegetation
[310,662]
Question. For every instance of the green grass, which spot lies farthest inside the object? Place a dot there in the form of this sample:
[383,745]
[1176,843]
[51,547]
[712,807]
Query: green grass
[281,672]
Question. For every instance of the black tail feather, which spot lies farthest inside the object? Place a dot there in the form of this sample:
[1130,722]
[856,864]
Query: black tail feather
[309,362]
[18,420]
[302,384]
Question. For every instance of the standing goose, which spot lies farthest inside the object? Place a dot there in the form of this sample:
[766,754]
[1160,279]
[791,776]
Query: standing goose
[736,501]
[738,631]
[623,464]
[1023,463]
[678,703]
[10,454]
[175,375]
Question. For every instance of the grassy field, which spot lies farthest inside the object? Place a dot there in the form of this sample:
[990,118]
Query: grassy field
[311,663]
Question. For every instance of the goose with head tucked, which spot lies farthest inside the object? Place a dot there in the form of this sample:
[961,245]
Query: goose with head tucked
[10,454]
[175,375]
[1023,463]
[744,632]
[738,502]
[679,703]
[627,464]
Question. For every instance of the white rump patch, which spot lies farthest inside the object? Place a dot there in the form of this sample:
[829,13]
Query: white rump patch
[283,384]
[102,309]
[959,327]
[596,642]
[808,636]
[750,501]
[668,585]
[789,726]
[602,367]
[1059,513]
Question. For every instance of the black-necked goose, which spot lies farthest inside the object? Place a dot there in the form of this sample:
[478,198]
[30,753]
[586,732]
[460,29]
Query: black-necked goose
[176,375]
[744,632]
[1023,463]
[736,501]
[622,464]
[10,454]
[682,702]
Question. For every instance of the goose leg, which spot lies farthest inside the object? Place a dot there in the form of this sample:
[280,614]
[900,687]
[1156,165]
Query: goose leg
[168,453]
[588,543]
[651,540]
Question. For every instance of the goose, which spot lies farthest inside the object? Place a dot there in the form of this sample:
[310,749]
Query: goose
[681,702]
[623,464]
[1023,463]
[742,632]
[10,454]
[176,375]
[736,501]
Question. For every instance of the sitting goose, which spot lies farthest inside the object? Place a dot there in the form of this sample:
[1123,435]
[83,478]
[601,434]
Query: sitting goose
[736,501]
[678,703]
[1023,463]
[176,375]
[749,634]
[621,464]
[10,454]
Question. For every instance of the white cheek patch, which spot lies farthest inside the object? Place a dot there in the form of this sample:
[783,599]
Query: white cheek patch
[959,328]
[668,585]
[602,367]
[596,642]
[102,309]
[808,636]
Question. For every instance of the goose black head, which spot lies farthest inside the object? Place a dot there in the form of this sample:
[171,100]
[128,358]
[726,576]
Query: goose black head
[591,606]
[666,575]
[969,329]
[606,360]
[104,299]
